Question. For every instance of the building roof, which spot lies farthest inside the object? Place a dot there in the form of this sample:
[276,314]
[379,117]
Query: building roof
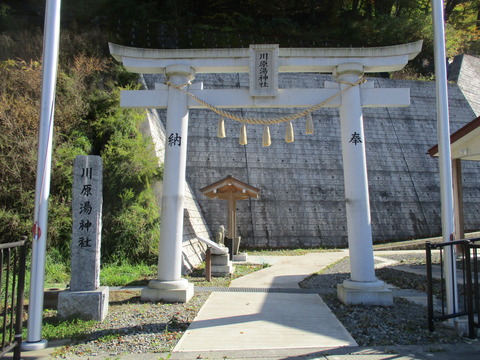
[224,188]
[465,142]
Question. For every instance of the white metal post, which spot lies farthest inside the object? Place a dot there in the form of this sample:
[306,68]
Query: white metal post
[444,153]
[42,190]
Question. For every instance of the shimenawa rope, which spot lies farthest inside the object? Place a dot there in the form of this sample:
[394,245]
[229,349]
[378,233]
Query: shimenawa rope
[268,121]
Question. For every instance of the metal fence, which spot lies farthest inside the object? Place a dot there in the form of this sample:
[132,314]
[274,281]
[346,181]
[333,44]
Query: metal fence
[12,285]
[466,281]
[473,288]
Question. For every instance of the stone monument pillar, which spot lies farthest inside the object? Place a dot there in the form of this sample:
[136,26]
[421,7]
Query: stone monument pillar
[86,298]
[362,287]
[169,285]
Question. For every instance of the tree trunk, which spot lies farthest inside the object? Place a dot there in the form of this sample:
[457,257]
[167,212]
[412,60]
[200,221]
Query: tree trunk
[449,6]
[478,17]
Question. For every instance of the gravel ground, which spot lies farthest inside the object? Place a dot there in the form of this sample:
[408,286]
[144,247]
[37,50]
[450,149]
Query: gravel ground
[135,327]
[403,324]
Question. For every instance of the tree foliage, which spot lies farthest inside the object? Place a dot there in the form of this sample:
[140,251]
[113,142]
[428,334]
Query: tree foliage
[238,23]
[88,120]
[306,23]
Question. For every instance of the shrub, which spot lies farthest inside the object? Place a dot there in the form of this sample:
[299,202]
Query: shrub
[131,212]
[87,121]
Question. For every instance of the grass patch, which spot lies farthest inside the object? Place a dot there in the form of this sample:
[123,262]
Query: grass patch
[141,274]
[109,337]
[55,328]
[245,269]
[57,274]
[197,277]
[127,274]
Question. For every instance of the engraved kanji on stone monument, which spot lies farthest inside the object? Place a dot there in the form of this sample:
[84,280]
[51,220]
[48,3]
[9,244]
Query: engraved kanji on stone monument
[85,299]
[87,223]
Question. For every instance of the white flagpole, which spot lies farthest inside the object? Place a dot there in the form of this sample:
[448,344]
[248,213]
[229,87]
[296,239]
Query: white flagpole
[42,190]
[444,152]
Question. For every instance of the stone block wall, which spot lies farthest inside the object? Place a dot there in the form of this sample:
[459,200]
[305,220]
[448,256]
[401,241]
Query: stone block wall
[302,197]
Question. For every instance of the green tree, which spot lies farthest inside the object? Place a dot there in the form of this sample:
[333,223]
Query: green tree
[87,121]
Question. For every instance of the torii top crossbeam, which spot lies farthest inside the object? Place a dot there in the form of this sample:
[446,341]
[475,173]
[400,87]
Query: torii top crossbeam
[329,60]
[323,60]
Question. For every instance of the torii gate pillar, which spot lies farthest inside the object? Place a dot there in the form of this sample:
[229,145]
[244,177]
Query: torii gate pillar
[362,287]
[169,285]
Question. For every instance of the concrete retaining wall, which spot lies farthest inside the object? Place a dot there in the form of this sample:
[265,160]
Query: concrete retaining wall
[465,71]
[302,197]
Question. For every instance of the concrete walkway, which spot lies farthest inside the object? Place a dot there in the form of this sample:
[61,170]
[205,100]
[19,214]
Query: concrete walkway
[252,318]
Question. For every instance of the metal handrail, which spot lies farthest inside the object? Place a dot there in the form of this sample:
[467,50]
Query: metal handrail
[13,319]
[471,294]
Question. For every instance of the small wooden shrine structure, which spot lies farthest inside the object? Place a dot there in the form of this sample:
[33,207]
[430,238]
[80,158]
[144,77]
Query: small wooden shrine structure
[232,190]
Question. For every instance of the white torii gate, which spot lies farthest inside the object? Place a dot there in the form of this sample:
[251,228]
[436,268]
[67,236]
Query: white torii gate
[347,65]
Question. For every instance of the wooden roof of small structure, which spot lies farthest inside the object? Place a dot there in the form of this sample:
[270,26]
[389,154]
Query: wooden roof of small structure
[223,189]
[465,142]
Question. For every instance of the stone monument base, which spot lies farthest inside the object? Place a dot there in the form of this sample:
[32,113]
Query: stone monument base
[366,293]
[240,257]
[50,298]
[168,291]
[221,265]
[87,305]
[222,270]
